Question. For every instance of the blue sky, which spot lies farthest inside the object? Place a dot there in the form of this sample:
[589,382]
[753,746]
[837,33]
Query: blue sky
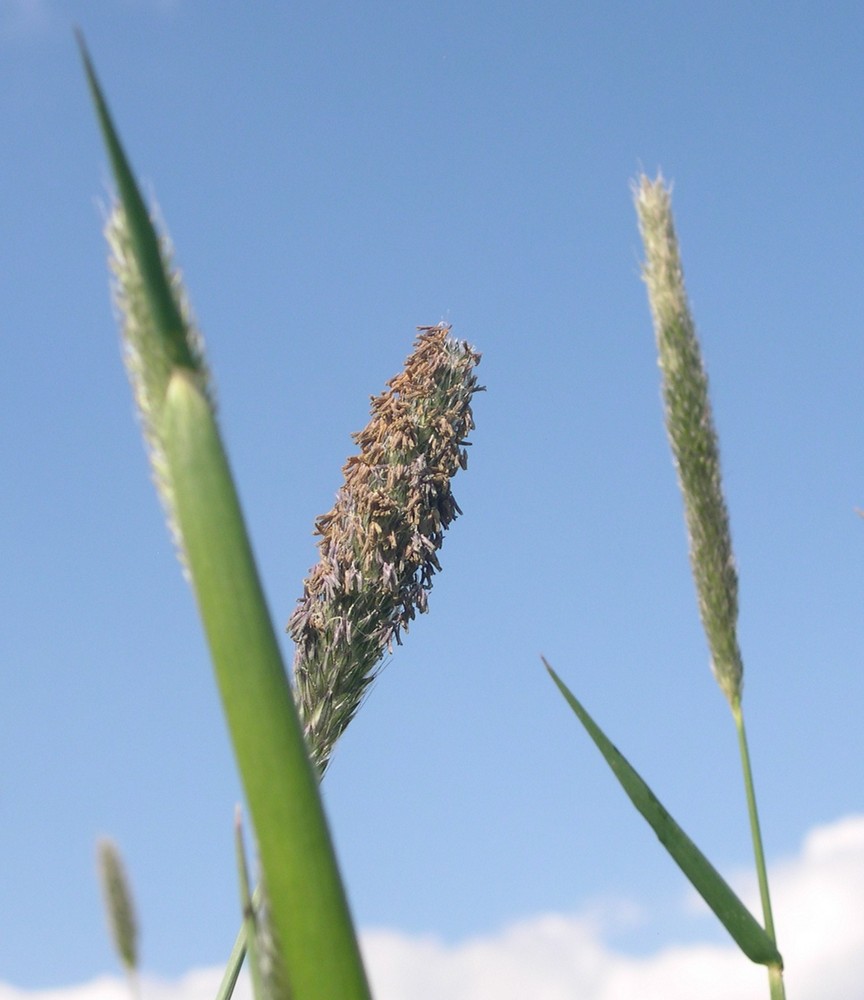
[333,175]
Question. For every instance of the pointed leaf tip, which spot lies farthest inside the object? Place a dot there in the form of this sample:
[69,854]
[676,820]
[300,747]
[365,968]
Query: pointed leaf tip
[145,243]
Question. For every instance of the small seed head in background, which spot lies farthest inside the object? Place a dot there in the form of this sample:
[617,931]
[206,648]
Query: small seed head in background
[119,906]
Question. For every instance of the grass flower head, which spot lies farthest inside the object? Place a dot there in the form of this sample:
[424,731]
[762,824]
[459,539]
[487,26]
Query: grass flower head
[690,426]
[379,543]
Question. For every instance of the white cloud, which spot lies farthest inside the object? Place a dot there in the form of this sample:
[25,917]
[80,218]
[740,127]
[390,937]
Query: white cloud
[819,912]
[820,920]
[553,958]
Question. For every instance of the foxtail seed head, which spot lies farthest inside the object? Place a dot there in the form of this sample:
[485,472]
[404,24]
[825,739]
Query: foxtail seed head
[690,426]
[379,543]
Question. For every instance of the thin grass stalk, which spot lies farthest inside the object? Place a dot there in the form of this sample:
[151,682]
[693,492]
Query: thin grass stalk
[754,824]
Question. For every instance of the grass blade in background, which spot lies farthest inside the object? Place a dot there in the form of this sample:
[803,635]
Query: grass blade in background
[746,931]
[310,916]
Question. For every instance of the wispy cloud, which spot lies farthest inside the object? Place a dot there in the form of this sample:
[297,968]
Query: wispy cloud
[820,920]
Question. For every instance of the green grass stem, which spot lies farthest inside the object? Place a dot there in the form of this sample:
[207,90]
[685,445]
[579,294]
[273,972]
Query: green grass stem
[775,983]
[775,976]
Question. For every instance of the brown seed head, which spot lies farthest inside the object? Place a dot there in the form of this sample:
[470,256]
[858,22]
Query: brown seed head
[379,543]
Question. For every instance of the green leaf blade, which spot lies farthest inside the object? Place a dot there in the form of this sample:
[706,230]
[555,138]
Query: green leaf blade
[311,923]
[745,930]
[310,913]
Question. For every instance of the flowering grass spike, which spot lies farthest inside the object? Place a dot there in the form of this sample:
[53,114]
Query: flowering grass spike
[380,541]
[690,426]
[692,436]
